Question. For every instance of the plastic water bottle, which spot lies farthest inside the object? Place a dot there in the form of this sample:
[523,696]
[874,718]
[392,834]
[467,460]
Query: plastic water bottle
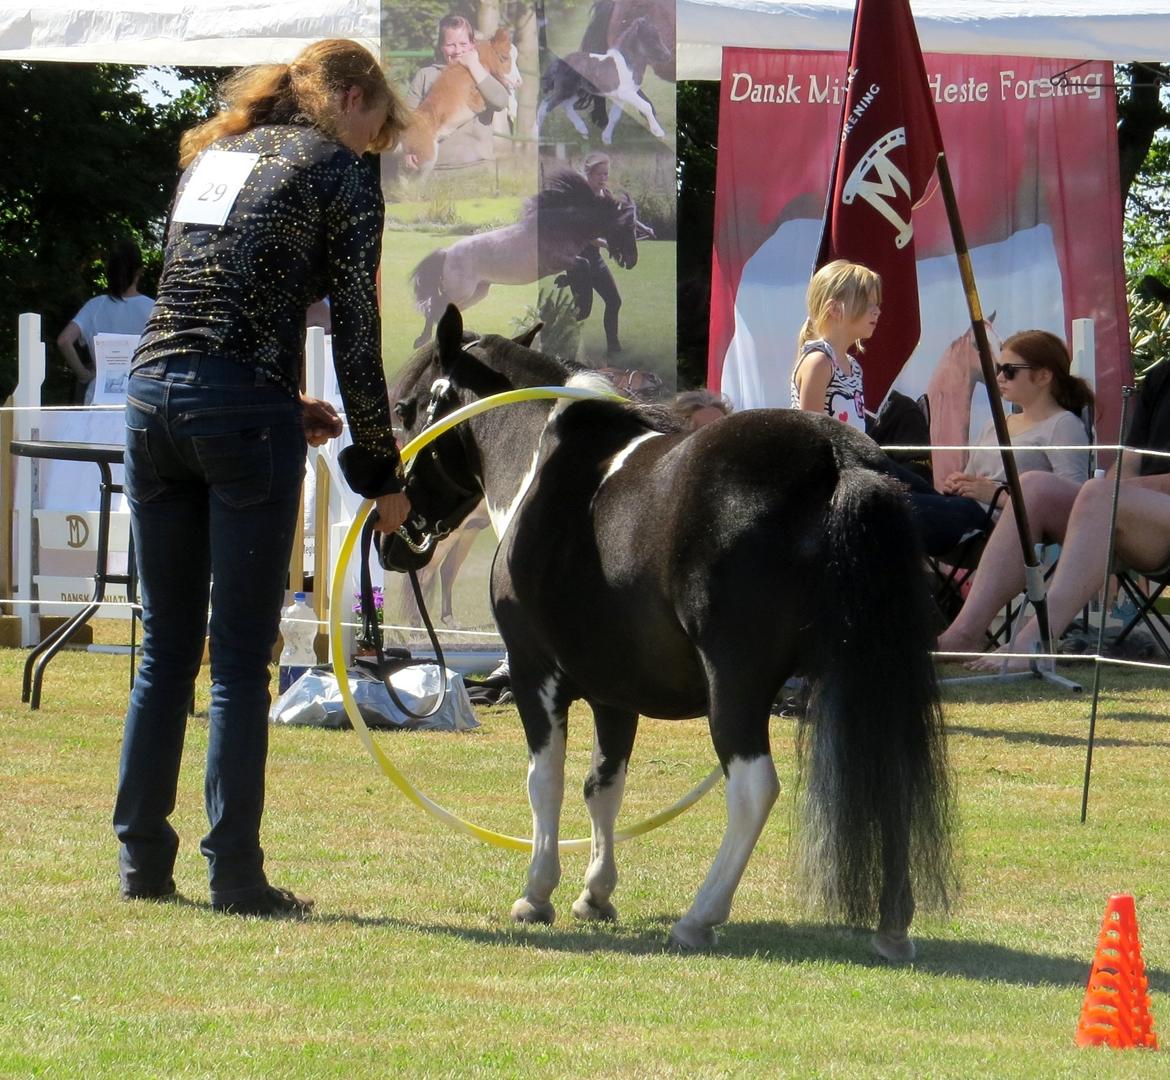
[298,628]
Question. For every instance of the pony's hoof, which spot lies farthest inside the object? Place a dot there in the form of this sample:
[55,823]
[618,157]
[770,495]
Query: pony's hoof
[526,911]
[589,910]
[691,938]
[896,948]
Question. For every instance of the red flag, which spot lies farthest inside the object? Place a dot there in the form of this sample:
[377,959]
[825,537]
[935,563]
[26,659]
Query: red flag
[889,145]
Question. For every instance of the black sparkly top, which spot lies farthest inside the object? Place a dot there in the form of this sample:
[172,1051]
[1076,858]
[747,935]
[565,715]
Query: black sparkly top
[307,223]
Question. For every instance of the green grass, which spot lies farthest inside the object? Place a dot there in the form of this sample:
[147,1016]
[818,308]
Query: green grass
[647,315]
[411,967]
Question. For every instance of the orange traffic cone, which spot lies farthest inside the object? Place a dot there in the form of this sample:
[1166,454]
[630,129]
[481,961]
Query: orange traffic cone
[1116,1011]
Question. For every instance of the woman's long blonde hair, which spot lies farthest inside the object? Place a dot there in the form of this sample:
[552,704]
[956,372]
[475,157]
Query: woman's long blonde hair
[304,92]
[853,285]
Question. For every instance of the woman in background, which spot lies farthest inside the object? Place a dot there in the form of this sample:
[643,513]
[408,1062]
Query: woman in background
[121,309]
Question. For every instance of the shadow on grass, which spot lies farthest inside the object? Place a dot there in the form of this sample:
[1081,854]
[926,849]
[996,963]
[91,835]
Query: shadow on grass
[1044,738]
[779,942]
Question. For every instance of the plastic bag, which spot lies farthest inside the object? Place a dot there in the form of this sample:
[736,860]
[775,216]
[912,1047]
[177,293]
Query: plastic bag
[314,700]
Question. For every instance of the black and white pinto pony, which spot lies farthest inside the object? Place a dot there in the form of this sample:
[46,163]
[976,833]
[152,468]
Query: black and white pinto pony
[556,224]
[605,80]
[655,572]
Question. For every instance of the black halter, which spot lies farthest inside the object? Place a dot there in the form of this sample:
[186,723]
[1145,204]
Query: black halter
[411,546]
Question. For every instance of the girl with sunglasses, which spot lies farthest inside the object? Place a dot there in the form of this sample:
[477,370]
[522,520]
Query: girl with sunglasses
[1033,375]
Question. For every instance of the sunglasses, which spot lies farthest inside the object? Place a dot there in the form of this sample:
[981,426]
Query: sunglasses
[1008,371]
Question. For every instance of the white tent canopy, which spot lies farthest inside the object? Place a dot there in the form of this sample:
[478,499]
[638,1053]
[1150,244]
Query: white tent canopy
[226,33]
[233,32]
[1120,30]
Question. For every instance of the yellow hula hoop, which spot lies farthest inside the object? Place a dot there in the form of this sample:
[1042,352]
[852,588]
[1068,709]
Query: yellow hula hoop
[424,802]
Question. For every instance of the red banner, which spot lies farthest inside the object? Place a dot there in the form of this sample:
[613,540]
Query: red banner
[889,144]
[1033,155]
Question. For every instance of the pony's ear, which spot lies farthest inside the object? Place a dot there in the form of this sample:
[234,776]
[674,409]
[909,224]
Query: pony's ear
[989,319]
[529,336]
[449,338]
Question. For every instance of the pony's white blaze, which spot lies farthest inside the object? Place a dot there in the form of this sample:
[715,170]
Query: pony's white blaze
[501,516]
[622,456]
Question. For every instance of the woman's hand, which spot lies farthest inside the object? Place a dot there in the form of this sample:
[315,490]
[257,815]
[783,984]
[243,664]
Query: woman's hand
[972,487]
[472,62]
[392,510]
[320,421]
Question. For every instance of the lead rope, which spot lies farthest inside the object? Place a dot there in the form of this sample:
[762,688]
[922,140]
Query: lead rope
[385,665]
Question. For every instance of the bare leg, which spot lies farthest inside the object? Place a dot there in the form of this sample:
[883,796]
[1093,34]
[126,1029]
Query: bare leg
[1000,576]
[604,786]
[1143,542]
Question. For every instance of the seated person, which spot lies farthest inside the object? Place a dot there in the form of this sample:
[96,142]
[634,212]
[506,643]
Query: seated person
[472,140]
[698,407]
[1033,374]
[1078,519]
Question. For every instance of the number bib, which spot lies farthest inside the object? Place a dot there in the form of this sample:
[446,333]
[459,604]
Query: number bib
[213,186]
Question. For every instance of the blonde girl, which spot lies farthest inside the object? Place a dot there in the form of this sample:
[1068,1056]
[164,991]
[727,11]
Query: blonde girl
[844,303]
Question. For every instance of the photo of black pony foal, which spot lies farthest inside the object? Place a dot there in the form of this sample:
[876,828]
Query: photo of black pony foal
[650,571]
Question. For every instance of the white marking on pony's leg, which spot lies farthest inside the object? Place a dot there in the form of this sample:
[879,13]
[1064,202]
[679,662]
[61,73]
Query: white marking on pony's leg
[601,877]
[575,118]
[622,456]
[546,793]
[501,516]
[647,110]
[752,788]
[614,111]
[541,112]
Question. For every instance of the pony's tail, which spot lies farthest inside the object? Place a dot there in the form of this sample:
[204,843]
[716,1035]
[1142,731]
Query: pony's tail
[427,279]
[875,788]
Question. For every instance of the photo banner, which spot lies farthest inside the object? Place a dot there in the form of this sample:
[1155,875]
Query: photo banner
[1033,155]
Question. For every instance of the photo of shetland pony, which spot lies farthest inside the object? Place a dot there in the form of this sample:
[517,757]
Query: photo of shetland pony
[455,99]
[614,77]
[555,225]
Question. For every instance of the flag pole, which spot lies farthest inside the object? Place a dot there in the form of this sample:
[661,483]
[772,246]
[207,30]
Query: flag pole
[1033,574]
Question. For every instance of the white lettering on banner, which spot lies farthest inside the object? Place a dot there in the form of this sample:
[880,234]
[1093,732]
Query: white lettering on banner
[858,110]
[957,92]
[831,91]
[1011,88]
[876,159]
[745,88]
[213,186]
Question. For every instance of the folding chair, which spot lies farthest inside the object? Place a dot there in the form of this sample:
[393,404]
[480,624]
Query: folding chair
[951,572]
[1145,600]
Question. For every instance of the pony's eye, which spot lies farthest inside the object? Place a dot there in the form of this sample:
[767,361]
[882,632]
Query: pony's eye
[405,411]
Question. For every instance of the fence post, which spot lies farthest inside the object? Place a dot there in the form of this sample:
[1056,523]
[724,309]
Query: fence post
[31,373]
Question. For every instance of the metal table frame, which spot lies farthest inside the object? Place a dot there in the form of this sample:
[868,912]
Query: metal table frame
[103,455]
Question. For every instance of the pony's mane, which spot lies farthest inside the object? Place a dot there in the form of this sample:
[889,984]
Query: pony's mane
[536,368]
[564,190]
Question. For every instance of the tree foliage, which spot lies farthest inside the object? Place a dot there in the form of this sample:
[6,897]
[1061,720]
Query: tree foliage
[84,160]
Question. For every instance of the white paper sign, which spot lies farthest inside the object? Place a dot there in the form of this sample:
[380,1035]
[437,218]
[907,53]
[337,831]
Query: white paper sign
[112,353]
[213,186]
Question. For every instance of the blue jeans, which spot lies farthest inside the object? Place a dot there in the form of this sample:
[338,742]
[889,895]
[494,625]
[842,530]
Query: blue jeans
[215,457]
